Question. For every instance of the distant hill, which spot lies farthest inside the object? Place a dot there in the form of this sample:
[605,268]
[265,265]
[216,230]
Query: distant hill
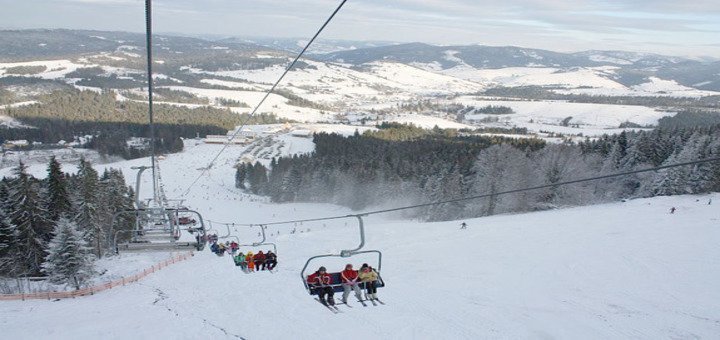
[634,68]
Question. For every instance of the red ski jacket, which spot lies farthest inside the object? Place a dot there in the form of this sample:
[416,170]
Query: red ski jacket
[349,276]
[259,257]
[319,279]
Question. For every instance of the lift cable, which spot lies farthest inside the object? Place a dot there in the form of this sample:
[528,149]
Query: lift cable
[468,198]
[267,94]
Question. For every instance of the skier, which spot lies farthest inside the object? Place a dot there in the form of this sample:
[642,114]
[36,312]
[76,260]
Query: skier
[672,210]
[240,261]
[319,282]
[350,281]
[271,260]
[368,277]
[463,225]
[259,259]
[250,263]
[214,248]
[234,246]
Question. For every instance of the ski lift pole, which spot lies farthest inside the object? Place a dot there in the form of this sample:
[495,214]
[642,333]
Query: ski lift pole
[262,231]
[140,169]
[361,225]
[262,242]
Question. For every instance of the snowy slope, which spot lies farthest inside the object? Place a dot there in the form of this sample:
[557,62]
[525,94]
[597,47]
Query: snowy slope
[622,270]
[539,76]
[593,119]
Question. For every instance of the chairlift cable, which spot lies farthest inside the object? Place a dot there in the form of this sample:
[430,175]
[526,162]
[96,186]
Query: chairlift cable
[267,94]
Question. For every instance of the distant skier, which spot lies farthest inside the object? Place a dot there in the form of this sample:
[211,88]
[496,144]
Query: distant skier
[463,225]
[710,201]
[672,210]
[319,282]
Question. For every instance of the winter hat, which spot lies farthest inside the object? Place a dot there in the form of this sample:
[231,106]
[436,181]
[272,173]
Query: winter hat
[348,266]
[322,269]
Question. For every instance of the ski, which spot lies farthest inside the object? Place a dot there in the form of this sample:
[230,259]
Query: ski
[333,309]
[363,303]
[378,300]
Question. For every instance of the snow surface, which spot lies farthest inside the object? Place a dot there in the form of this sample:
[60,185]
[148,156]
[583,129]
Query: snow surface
[547,115]
[426,122]
[619,270]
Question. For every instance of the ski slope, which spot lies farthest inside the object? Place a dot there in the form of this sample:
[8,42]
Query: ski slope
[612,271]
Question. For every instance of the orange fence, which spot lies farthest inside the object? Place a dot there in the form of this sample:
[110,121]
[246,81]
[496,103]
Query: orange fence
[97,288]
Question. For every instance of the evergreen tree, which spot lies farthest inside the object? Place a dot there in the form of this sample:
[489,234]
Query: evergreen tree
[240,175]
[26,212]
[70,259]
[9,259]
[58,202]
[116,197]
[87,205]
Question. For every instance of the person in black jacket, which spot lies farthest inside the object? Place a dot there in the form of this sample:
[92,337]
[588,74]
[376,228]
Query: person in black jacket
[270,260]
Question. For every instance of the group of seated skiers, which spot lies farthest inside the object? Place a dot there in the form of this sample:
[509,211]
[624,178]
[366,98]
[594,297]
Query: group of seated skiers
[251,262]
[220,248]
[321,282]
[248,262]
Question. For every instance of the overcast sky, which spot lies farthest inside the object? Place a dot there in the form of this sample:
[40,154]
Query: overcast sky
[674,27]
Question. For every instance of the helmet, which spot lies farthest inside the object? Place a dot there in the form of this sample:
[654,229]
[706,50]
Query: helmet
[348,266]
[322,269]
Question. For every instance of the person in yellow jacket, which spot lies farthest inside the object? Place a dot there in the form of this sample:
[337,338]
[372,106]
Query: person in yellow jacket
[369,277]
[250,263]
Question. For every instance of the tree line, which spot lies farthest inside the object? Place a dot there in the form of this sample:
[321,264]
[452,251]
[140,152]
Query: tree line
[66,115]
[57,226]
[363,171]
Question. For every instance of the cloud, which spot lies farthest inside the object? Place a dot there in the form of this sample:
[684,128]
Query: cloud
[551,24]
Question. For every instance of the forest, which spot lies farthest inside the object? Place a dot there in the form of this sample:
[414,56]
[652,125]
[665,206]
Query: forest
[58,226]
[110,123]
[402,165]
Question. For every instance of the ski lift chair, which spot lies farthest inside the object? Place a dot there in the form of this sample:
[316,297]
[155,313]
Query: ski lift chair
[336,281]
[152,238]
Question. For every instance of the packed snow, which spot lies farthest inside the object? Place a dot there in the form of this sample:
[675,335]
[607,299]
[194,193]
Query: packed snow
[619,270]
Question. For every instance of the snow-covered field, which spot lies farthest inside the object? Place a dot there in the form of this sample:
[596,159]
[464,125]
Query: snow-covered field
[614,271]
[589,119]
[342,93]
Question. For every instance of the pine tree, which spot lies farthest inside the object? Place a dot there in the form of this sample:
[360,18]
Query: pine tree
[240,175]
[26,212]
[58,202]
[70,259]
[116,197]
[9,259]
[87,201]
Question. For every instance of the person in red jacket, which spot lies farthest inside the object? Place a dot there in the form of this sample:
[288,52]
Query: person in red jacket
[259,260]
[350,282]
[320,282]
